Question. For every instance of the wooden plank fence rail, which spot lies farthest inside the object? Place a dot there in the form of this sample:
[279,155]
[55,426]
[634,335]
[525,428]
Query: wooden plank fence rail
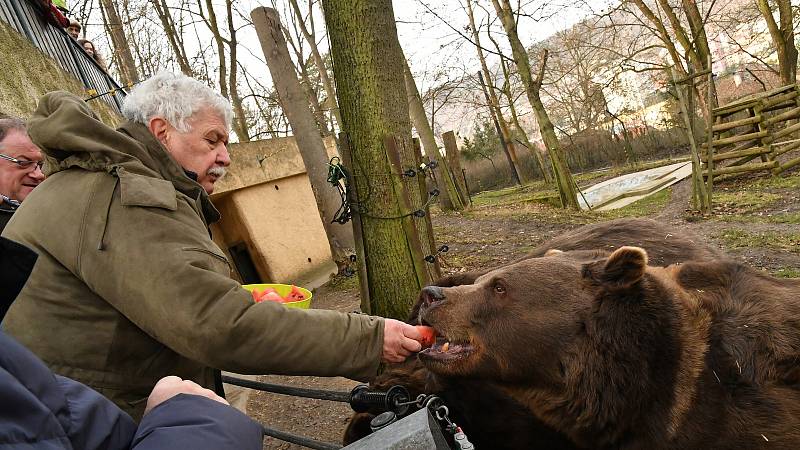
[749,134]
[752,151]
[736,123]
[740,169]
[782,117]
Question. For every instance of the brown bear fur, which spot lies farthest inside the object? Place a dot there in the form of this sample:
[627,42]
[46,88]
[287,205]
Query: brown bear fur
[480,407]
[664,244]
[612,353]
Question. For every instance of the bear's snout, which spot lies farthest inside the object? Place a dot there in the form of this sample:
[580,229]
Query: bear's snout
[431,294]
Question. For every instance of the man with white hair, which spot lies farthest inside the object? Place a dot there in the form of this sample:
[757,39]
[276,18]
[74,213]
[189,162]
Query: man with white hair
[129,287]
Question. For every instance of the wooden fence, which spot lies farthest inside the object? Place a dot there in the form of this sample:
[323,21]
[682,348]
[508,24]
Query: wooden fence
[750,134]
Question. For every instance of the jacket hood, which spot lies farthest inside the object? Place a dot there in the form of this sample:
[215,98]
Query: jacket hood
[71,135]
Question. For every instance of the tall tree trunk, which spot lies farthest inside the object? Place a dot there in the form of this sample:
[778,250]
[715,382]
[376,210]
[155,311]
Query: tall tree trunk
[316,108]
[174,36]
[368,68]
[304,127]
[319,62]
[145,67]
[494,103]
[122,50]
[454,163]
[227,74]
[498,130]
[702,50]
[694,42]
[566,184]
[213,26]
[548,177]
[663,35]
[240,118]
[308,86]
[782,38]
[451,200]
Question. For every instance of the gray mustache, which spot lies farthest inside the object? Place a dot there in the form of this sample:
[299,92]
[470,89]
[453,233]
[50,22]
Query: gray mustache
[218,172]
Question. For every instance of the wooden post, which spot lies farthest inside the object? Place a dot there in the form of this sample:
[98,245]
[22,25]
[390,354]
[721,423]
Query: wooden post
[698,188]
[450,200]
[436,269]
[710,133]
[417,246]
[358,233]
[304,126]
[454,161]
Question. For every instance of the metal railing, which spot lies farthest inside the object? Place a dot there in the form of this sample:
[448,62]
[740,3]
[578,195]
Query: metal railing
[65,51]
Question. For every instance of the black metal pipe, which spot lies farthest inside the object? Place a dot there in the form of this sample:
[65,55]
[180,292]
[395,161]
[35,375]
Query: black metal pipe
[318,394]
[300,440]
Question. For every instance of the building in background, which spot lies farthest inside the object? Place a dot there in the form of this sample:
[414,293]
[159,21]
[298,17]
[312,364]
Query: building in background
[271,229]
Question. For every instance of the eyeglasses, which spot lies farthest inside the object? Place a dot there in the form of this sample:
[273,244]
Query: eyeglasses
[23,163]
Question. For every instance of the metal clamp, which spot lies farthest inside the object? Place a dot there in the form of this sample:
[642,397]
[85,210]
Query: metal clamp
[395,399]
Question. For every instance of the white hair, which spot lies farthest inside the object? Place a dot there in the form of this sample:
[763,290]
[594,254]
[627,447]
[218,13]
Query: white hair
[174,97]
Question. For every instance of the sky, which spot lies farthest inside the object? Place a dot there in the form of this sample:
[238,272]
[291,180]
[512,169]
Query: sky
[428,31]
[429,43]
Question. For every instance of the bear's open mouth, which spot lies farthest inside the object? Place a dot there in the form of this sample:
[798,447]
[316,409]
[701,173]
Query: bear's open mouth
[443,350]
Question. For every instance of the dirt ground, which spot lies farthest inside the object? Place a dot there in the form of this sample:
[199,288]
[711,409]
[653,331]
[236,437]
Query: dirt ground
[755,221]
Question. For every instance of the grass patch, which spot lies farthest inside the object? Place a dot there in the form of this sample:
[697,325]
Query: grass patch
[586,177]
[786,272]
[745,201]
[792,181]
[760,217]
[736,238]
[527,211]
[471,260]
[343,283]
[533,192]
[645,207]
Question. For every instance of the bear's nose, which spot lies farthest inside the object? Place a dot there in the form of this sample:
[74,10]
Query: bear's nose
[432,293]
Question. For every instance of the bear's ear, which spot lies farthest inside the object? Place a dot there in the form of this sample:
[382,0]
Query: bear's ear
[625,266]
[553,252]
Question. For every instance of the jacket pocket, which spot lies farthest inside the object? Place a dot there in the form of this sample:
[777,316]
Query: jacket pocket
[213,254]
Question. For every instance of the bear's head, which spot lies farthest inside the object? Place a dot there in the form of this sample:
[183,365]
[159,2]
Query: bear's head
[524,322]
[590,344]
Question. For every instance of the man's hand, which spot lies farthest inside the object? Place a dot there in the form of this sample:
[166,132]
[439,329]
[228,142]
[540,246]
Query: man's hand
[170,386]
[399,340]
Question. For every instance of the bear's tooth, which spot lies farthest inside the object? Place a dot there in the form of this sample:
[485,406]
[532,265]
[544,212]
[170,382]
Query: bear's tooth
[446,346]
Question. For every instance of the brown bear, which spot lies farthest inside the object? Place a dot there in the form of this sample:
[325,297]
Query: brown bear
[664,244]
[611,353]
[480,407]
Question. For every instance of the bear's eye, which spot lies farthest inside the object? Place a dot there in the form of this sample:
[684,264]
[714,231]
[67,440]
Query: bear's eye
[499,289]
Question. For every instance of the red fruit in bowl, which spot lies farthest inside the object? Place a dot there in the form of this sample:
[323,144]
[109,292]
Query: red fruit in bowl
[296,295]
[272,297]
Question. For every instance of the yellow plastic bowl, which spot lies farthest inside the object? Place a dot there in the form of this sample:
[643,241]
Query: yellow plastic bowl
[283,290]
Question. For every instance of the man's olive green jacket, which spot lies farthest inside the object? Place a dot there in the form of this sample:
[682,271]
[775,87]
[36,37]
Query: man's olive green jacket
[129,287]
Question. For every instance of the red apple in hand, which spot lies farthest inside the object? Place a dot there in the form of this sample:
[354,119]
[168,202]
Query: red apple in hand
[428,335]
